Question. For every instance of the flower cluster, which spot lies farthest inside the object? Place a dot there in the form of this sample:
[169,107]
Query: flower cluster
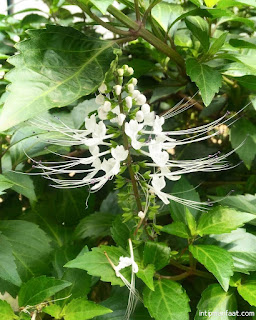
[124,109]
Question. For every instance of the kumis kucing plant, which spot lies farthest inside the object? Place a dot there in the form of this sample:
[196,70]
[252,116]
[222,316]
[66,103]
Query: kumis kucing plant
[127,183]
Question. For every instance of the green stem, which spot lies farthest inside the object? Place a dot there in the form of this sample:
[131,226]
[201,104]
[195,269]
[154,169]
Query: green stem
[148,11]
[139,30]
[137,9]
[173,278]
[192,271]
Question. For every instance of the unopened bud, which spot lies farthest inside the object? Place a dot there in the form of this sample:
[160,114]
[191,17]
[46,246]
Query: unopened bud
[118,89]
[120,72]
[102,88]
[145,108]
[130,71]
[128,101]
[120,118]
[134,81]
[107,106]
[141,99]
[100,99]
[141,215]
[130,87]
[135,94]
[139,116]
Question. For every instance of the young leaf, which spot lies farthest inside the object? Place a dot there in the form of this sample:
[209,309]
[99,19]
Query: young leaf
[214,299]
[178,229]
[36,290]
[211,3]
[247,290]
[242,247]
[96,263]
[169,301]
[200,29]
[217,260]
[82,309]
[96,225]
[6,312]
[207,79]
[30,246]
[157,254]
[4,183]
[53,310]
[222,220]
[217,44]
[55,67]
[147,275]
[8,269]
[191,222]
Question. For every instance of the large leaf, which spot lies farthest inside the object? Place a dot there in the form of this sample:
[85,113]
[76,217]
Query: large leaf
[177,228]
[207,79]
[82,309]
[147,275]
[6,312]
[242,246]
[36,290]
[216,301]
[102,5]
[157,254]
[121,231]
[200,29]
[55,67]
[169,301]
[240,131]
[8,269]
[217,260]
[30,247]
[222,220]
[96,263]
[96,225]
[4,183]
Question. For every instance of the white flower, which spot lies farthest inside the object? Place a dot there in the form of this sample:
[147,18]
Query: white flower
[107,106]
[103,115]
[140,99]
[130,71]
[119,153]
[130,88]
[139,116]
[120,119]
[103,88]
[118,89]
[128,101]
[159,157]
[100,99]
[134,81]
[131,129]
[135,94]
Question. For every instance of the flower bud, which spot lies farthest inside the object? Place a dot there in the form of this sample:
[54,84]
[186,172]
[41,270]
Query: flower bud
[107,106]
[102,88]
[141,99]
[130,71]
[134,81]
[102,114]
[135,94]
[128,101]
[120,72]
[130,87]
[100,99]
[139,116]
[120,118]
[141,215]
[145,108]
[118,89]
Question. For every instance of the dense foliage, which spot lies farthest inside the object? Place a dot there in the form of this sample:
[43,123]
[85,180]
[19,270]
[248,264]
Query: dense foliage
[74,252]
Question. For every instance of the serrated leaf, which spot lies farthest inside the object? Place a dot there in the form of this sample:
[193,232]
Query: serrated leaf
[247,290]
[30,247]
[96,225]
[147,275]
[242,247]
[169,301]
[37,290]
[216,301]
[200,29]
[6,312]
[177,228]
[156,253]
[244,131]
[55,67]
[8,269]
[216,260]
[222,220]
[207,79]
[185,191]
[53,310]
[22,184]
[82,309]
[96,263]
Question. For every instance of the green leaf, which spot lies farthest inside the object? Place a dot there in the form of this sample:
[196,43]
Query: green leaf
[247,290]
[222,220]
[156,253]
[184,190]
[96,225]
[200,29]
[53,310]
[22,184]
[242,247]
[177,228]
[217,44]
[55,67]
[96,263]
[6,312]
[82,309]
[8,269]
[217,260]
[245,202]
[238,43]
[216,301]
[30,247]
[121,231]
[211,3]
[147,275]
[101,5]
[207,79]
[191,222]
[37,290]
[244,129]
[4,183]
[169,301]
